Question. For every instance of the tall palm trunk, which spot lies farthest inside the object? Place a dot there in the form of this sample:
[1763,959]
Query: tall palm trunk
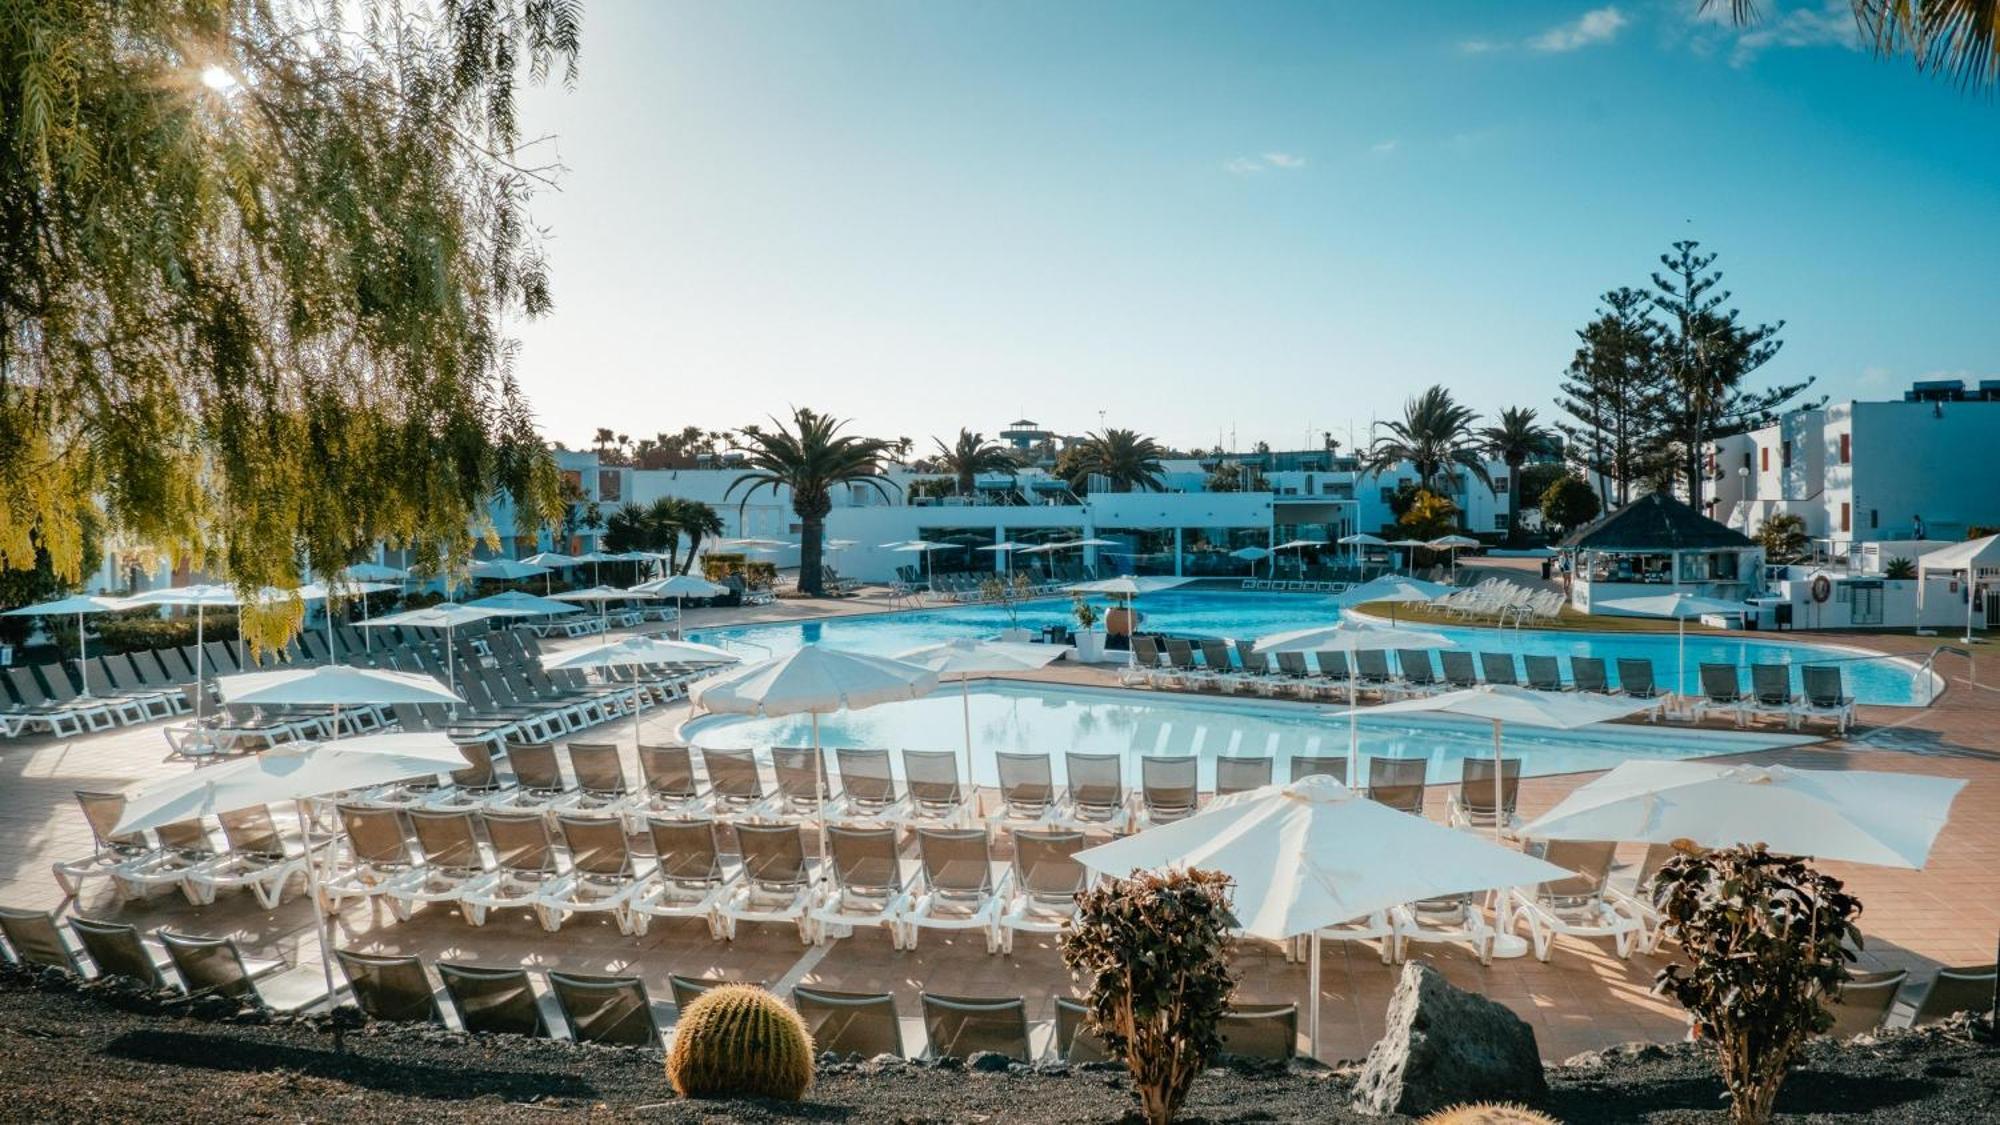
[1514,499]
[812,530]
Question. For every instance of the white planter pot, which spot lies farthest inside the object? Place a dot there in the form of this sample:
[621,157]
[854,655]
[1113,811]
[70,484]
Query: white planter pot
[1090,647]
[1017,636]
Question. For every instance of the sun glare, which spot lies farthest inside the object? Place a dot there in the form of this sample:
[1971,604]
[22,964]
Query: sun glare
[218,79]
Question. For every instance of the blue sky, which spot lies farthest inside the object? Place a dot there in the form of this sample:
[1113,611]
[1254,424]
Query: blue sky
[1225,222]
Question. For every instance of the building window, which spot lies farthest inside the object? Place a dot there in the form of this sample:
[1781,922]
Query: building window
[1764,459]
[1501,485]
[1845,513]
[1874,518]
[1500,521]
[1785,455]
[1846,449]
[1388,494]
[608,489]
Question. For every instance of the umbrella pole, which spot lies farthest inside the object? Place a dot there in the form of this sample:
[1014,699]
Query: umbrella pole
[1312,995]
[1499,809]
[451,669]
[200,692]
[82,658]
[638,704]
[322,924]
[1353,731]
[1681,661]
[965,698]
[819,792]
[367,637]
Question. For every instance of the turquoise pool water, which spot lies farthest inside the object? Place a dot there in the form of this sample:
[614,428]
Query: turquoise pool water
[1246,616]
[1050,719]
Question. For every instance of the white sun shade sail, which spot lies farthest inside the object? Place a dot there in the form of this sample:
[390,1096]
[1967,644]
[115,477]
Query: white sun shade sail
[599,594]
[812,679]
[1446,542]
[1128,586]
[1509,703]
[638,651]
[1363,539]
[682,586]
[1394,588]
[504,569]
[516,602]
[443,615]
[1857,816]
[551,559]
[1315,853]
[1351,636]
[966,656]
[1672,605]
[331,685]
[292,772]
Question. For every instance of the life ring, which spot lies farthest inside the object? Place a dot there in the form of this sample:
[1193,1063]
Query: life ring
[1822,588]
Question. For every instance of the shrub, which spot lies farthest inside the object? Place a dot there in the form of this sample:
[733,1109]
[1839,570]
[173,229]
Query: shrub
[1489,1113]
[1151,952]
[146,629]
[1085,613]
[1899,569]
[1766,939]
[739,1040]
[716,567]
[1570,502]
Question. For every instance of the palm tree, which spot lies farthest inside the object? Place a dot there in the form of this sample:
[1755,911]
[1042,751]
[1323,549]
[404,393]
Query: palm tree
[663,526]
[1953,37]
[970,456]
[1434,435]
[697,521]
[1130,461]
[810,462]
[1517,438]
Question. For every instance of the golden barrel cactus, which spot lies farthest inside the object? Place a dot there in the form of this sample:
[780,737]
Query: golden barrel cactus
[1489,1113]
[738,1040]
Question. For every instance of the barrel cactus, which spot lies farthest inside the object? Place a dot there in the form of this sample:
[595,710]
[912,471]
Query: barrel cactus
[738,1040]
[1489,1113]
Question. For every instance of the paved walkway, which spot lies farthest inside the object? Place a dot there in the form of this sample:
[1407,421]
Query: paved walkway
[1584,998]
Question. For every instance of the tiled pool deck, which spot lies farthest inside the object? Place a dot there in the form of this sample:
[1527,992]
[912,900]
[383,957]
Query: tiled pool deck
[1584,998]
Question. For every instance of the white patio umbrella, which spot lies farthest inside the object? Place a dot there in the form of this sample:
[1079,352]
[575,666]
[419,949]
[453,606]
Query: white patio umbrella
[1452,543]
[1291,545]
[755,544]
[1254,555]
[1005,548]
[1394,588]
[1680,607]
[1127,586]
[1359,540]
[505,570]
[812,680]
[967,657]
[680,587]
[78,604]
[296,772]
[922,547]
[447,616]
[375,572]
[1314,854]
[594,558]
[322,592]
[638,651]
[1501,704]
[602,597]
[1351,636]
[1855,816]
[200,596]
[331,685]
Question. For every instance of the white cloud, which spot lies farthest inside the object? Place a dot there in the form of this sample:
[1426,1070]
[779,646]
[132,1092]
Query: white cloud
[1829,25]
[1599,25]
[1478,46]
[1383,148]
[1251,165]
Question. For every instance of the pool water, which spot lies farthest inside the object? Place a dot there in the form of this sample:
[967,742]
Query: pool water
[1246,616]
[1052,719]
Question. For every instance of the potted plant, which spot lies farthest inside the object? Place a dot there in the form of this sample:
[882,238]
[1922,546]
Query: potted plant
[1008,593]
[1089,642]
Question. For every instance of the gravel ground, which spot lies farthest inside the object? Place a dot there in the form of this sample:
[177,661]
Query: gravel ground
[111,1054]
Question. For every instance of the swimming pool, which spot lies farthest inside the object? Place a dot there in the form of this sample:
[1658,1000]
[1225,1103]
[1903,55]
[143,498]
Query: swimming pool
[1246,616]
[1052,719]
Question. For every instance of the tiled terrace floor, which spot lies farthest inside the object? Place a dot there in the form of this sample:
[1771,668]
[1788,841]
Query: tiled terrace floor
[1584,998]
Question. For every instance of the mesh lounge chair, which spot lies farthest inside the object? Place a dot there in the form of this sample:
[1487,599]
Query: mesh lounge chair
[118,951]
[1498,667]
[371,853]
[1588,673]
[110,852]
[1864,1002]
[599,1009]
[1075,1041]
[1326,765]
[1455,919]
[395,989]
[1239,775]
[1635,678]
[958,891]
[1261,1031]
[1721,691]
[601,788]
[1398,782]
[1459,669]
[1027,788]
[938,797]
[524,864]
[687,990]
[258,858]
[734,785]
[1335,675]
[184,846]
[669,789]
[34,937]
[1045,883]
[851,1023]
[1145,660]
[215,966]
[1575,906]
[1471,804]
[687,880]
[1771,693]
[868,788]
[1296,676]
[489,1000]
[538,779]
[1372,674]
[1544,673]
[1964,989]
[600,878]
[1826,697]
[1637,903]
[1095,795]
[1419,674]
[1169,787]
[452,862]
[1215,661]
[959,1027]
[777,881]
[868,888]
[471,787]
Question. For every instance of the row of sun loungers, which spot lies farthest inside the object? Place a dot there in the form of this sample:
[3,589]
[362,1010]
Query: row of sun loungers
[1503,600]
[1823,694]
[1296,585]
[121,688]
